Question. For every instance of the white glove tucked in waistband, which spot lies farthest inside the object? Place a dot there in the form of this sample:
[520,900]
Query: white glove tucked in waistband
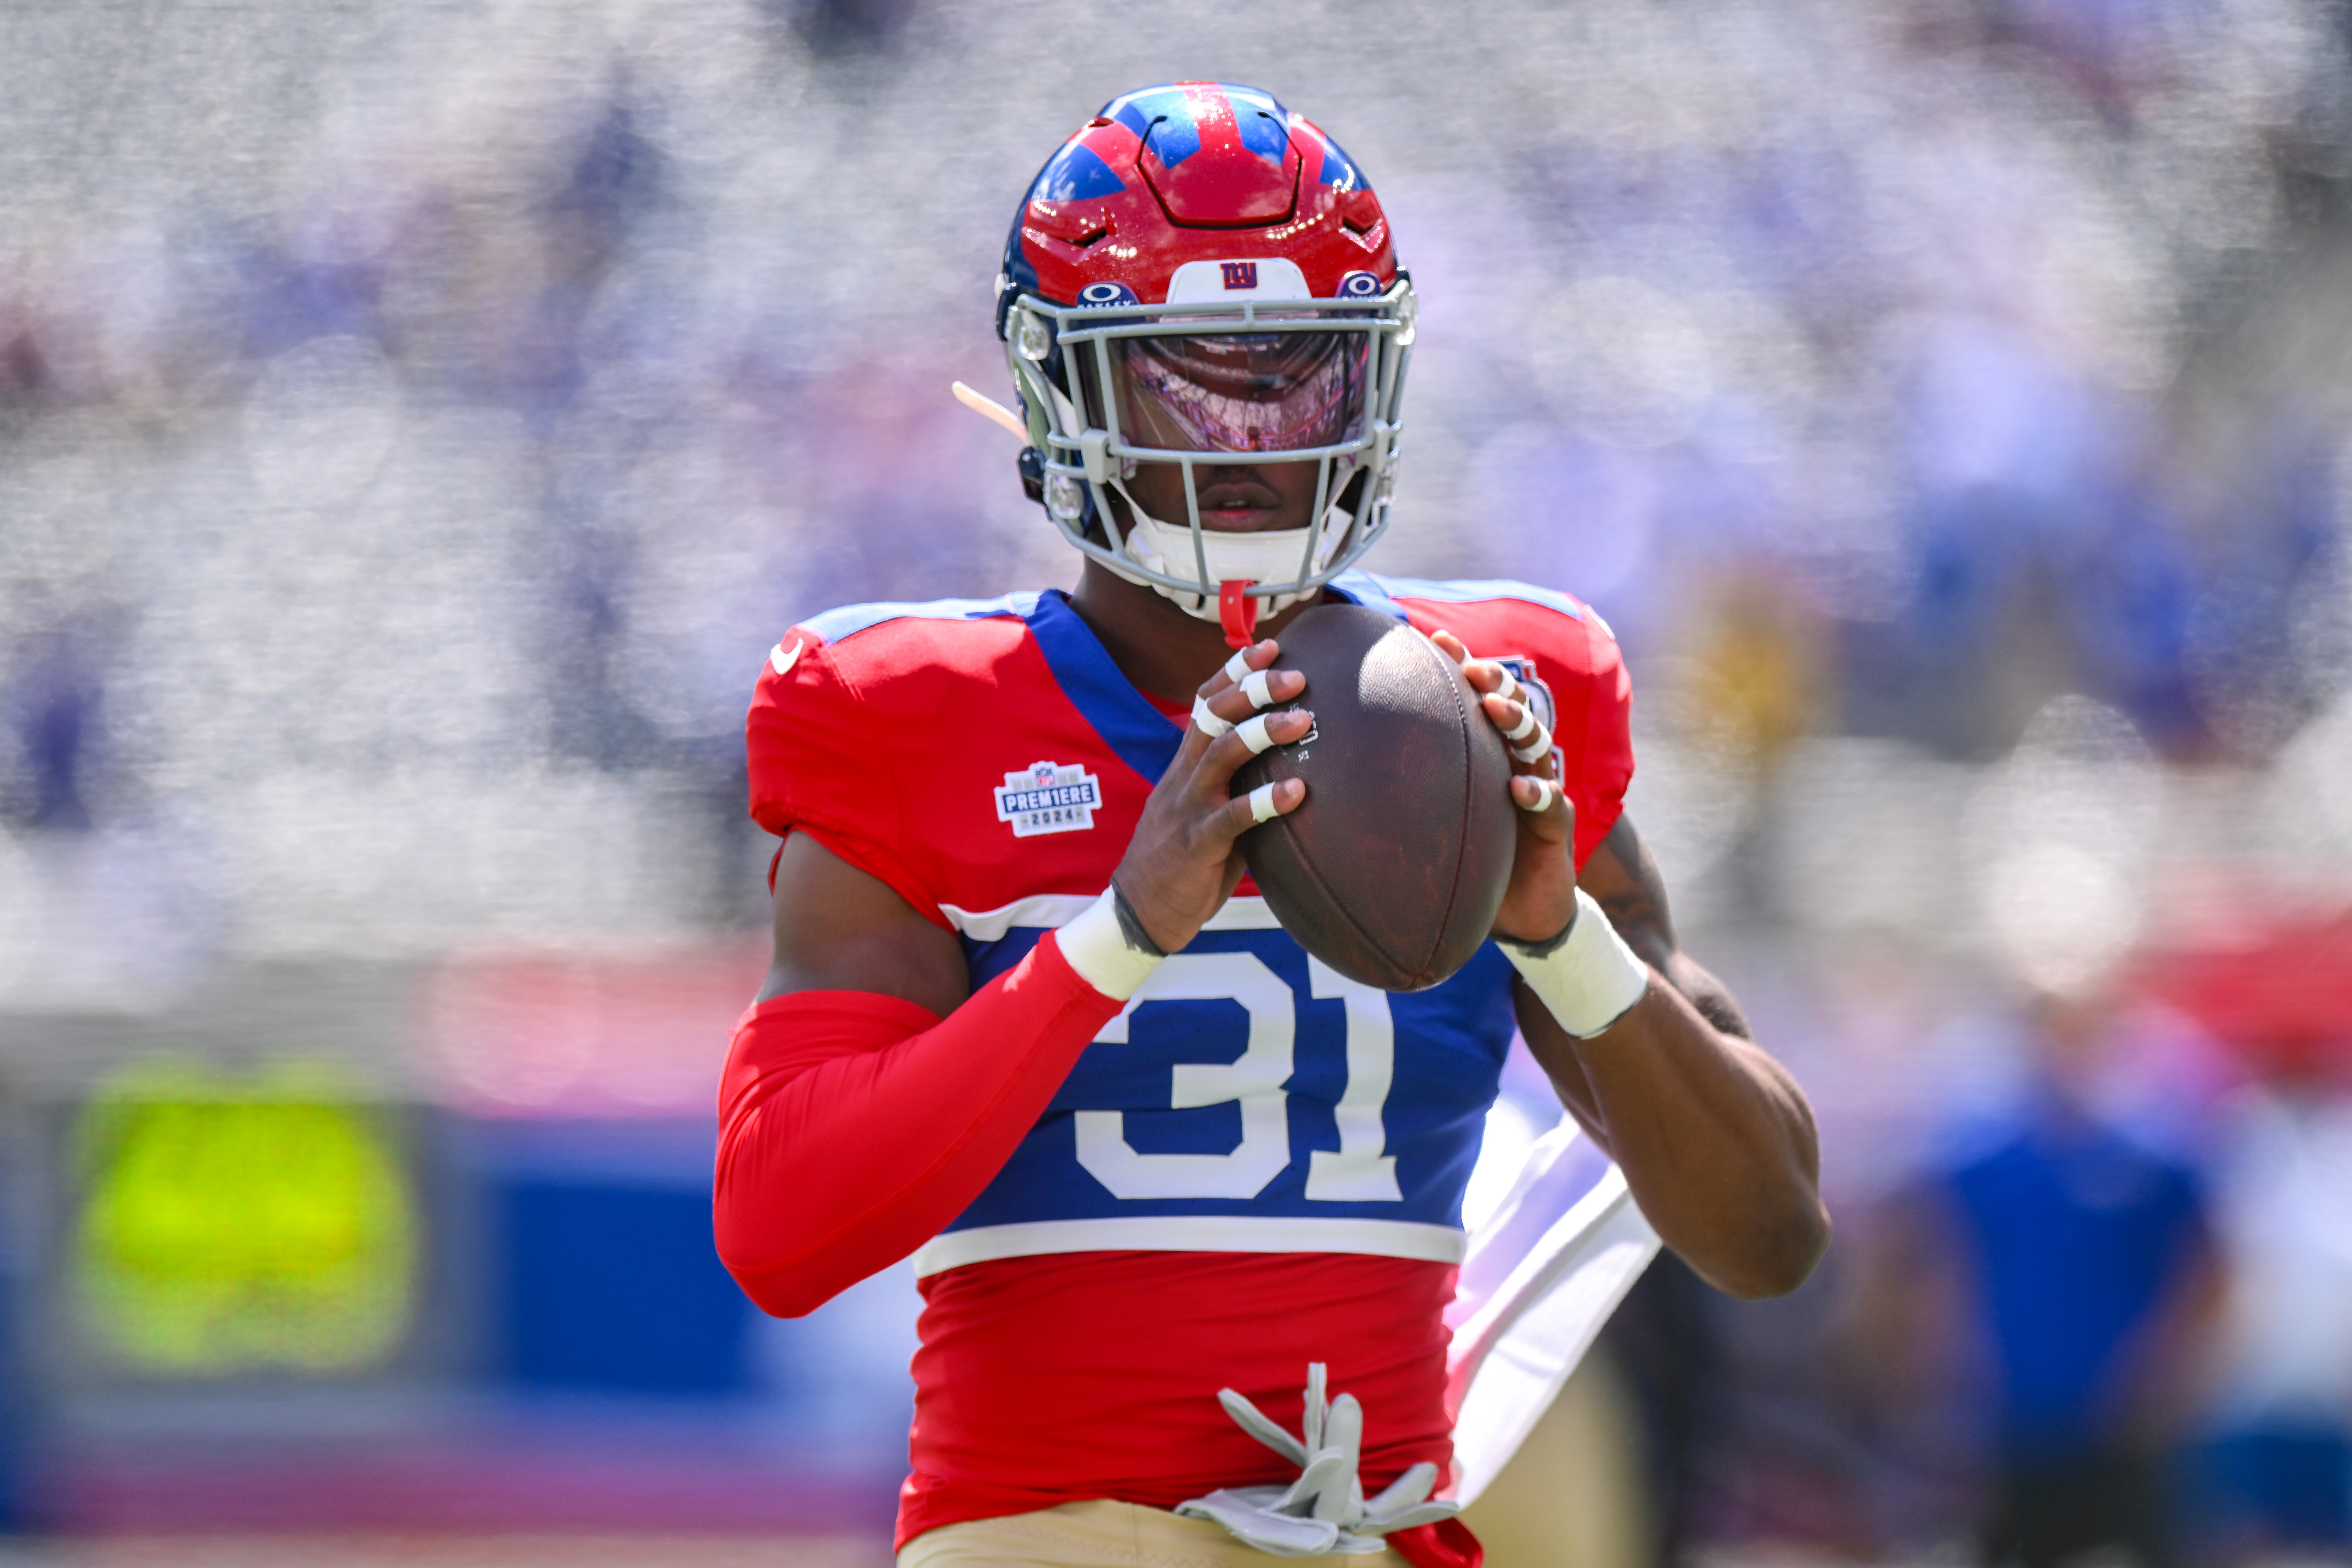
[1323,1510]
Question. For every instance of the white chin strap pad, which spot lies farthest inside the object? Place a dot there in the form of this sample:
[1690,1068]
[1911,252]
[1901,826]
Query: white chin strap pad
[1266,557]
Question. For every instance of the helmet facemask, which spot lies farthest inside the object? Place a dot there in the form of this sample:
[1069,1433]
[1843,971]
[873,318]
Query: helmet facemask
[1215,385]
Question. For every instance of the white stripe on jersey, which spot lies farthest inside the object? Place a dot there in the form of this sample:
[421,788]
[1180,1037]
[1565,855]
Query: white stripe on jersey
[1191,1233]
[1046,909]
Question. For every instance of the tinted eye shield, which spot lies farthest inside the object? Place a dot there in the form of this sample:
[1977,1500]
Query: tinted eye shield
[1087,346]
[1257,392]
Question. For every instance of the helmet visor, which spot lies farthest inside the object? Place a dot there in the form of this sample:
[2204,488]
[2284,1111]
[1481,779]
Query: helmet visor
[1233,391]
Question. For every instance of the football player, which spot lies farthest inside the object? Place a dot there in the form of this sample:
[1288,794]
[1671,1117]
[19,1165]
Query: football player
[1028,1019]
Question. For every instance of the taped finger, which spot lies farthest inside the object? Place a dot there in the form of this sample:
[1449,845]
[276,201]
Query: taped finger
[1525,726]
[1252,730]
[1534,750]
[1261,804]
[1545,793]
[1237,667]
[1207,720]
[1253,687]
[1510,687]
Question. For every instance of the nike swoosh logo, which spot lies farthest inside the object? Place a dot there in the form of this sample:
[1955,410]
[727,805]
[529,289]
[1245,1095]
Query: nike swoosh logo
[781,658]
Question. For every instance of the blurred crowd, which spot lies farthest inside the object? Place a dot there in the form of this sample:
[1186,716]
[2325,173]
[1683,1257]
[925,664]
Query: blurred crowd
[417,421]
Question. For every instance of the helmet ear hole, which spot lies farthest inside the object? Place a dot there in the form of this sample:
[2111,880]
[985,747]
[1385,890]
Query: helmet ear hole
[1031,336]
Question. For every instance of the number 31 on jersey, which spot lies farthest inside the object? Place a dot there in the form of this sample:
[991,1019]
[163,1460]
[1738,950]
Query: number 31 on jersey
[1359,1170]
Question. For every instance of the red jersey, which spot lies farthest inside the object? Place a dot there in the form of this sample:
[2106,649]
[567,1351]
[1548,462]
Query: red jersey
[1258,1162]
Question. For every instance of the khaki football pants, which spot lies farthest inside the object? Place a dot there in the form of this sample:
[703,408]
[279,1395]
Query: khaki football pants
[1099,1534]
[1573,1495]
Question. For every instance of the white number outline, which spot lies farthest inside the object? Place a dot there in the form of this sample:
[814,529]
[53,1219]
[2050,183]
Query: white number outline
[1359,1170]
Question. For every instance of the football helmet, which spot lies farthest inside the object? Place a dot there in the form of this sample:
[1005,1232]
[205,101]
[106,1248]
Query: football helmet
[1199,277]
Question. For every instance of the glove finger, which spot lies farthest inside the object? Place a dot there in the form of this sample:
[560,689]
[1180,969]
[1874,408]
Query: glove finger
[1312,1426]
[1315,1483]
[1343,1428]
[1254,1422]
[1343,1434]
[1423,1513]
[1408,1490]
[1276,1534]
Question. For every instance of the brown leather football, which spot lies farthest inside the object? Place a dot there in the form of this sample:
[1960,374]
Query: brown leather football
[1391,869]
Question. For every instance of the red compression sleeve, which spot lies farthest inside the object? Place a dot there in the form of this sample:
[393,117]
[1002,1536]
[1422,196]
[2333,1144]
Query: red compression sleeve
[853,1127]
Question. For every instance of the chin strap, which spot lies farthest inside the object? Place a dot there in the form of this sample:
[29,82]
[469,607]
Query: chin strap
[1238,611]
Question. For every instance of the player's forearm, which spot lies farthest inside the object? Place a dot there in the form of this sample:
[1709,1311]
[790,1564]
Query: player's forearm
[854,1128]
[1715,1139]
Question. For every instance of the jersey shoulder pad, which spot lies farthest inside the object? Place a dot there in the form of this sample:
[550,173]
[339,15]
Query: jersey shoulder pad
[841,624]
[904,659]
[1561,649]
[848,705]
[1478,590]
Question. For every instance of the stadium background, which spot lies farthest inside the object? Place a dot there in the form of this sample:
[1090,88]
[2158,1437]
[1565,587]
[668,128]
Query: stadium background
[417,420]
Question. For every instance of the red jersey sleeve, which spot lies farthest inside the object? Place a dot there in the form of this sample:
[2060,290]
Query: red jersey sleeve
[1595,698]
[821,763]
[1567,653]
[851,1127]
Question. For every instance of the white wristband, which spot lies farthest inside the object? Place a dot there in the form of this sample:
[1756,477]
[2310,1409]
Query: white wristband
[1093,945]
[1591,980]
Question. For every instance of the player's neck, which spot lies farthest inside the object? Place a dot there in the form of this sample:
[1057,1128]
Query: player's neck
[1164,651]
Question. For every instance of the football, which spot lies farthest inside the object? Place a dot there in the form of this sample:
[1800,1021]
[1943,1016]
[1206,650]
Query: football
[1391,869]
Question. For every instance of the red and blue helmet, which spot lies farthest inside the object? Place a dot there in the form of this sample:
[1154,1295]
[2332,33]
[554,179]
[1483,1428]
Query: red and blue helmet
[1199,276]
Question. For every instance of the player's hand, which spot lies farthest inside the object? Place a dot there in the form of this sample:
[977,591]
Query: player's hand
[1182,864]
[1542,899]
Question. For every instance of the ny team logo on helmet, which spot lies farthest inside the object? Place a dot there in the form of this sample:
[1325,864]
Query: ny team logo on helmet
[1199,277]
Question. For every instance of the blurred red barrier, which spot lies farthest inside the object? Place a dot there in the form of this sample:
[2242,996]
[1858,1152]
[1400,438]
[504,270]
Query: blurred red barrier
[585,1032]
[2280,995]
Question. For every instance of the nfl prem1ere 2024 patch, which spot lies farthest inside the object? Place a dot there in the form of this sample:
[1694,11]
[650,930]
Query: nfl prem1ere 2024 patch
[1047,797]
